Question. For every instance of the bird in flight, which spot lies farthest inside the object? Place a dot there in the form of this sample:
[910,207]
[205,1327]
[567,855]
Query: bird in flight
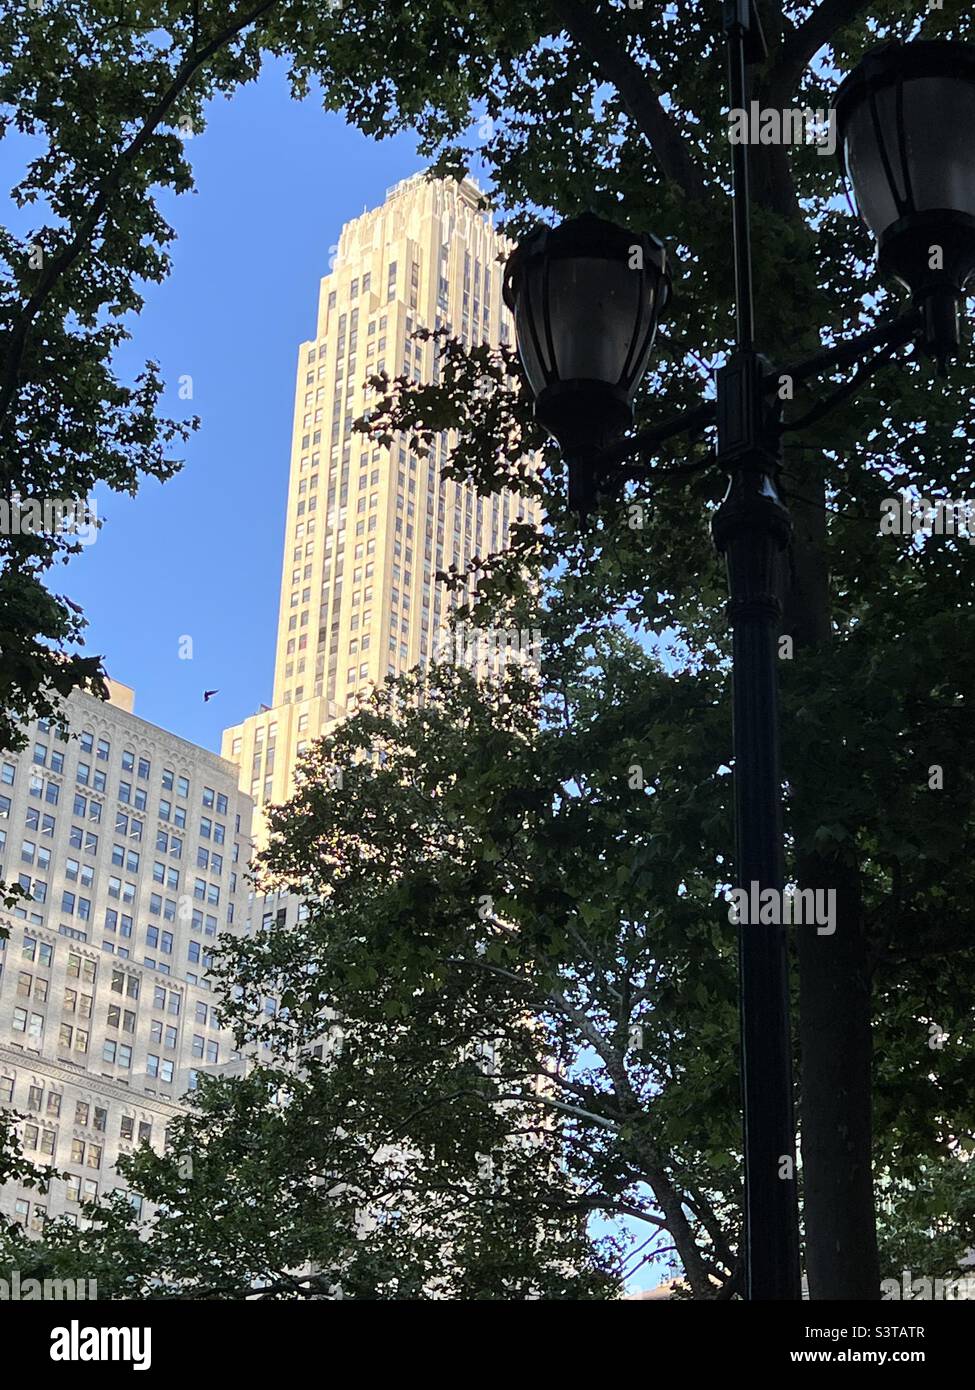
[207,694]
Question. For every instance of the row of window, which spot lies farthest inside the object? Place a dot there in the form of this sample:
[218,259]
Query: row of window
[73,904]
[86,1153]
[86,1115]
[33,1216]
[87,808]
[87,775]
[122,857]
[82,968]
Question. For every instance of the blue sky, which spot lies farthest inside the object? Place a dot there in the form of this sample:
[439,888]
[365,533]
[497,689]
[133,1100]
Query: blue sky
[201,555]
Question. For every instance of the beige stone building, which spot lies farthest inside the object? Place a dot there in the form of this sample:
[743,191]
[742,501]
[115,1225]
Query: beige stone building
[368,527]
[133,845]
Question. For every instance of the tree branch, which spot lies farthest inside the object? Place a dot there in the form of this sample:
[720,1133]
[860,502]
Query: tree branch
[639,92]
[561,1105]
[614,1063]
[804,43]
[63,261]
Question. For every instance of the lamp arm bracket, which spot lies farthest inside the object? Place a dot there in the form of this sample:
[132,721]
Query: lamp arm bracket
[687,422]
[892,334]
[849,388]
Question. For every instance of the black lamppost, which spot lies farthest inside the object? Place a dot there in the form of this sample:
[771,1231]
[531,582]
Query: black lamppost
[586,298]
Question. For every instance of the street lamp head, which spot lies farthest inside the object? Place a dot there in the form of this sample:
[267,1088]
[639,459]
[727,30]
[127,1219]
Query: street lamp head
[586,297]
[905,120]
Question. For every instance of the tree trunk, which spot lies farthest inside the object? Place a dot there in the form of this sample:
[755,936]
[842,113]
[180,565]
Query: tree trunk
[834,999]
[834,986]
[834,1035]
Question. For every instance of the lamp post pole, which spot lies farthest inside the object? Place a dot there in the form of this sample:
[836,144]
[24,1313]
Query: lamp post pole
[751,529]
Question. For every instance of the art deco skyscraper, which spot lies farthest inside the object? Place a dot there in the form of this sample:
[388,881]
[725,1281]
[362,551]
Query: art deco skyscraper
[367,526]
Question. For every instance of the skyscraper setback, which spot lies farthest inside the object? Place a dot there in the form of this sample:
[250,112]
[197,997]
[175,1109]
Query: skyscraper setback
[368,526]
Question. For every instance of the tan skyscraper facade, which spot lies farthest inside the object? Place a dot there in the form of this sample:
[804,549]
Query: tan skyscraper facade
[368,527]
